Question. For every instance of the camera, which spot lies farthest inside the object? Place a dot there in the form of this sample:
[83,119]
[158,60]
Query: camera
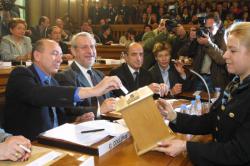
[202,31]
[6,5]
[170,24]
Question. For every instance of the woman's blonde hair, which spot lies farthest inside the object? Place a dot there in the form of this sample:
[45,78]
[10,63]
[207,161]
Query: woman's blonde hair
[160,46]
[240,30]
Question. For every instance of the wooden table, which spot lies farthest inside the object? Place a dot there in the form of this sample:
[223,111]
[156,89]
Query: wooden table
[110,51]
[190,96]
[5,72]
[125,155]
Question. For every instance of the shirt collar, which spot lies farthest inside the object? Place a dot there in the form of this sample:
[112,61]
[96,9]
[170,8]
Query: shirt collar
[164,70]
[83,69]
[43,77]
[132,70]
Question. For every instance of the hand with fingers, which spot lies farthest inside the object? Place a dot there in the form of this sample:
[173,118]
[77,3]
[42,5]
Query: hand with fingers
[85,117]
[176,89]
[108,105]
[166,109]
[107,84]
[172,147]
[10,149]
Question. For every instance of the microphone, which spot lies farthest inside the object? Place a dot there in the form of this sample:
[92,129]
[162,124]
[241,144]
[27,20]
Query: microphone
[198,75]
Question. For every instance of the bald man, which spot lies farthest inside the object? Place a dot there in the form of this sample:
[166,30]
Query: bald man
[133,76]
[34,100]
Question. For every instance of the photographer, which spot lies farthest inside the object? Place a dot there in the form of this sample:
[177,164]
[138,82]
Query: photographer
[169,31]
[11,7]
[206,46]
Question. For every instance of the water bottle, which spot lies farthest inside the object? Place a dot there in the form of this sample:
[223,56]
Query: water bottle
[217,92]
[198,105]
[184,109]
[192,108]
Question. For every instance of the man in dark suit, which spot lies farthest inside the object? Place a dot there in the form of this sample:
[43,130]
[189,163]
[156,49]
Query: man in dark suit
[173,76]
[78,74]
[33,97]
[39,31]
[133,76]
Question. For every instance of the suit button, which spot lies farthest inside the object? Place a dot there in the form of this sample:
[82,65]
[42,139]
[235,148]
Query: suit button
[218,117]
[231,115]
[223,108]
[216,129]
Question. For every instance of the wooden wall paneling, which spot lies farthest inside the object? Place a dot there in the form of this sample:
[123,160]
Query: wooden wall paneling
[35,11]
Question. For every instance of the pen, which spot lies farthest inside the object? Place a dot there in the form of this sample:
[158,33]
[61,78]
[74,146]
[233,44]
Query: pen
[24,148]
[91,131]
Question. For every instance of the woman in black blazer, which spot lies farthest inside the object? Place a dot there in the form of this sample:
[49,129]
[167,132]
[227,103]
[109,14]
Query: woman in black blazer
[229,117]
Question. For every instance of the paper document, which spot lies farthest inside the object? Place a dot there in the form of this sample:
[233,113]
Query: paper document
[73,133]
[113,129]
[196,93]
[45,159]
[171,101]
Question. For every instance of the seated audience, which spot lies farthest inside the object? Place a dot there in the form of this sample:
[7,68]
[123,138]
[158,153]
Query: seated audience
[55,33]
[128,38]
[4,23]
[105,36]
[164,72]
[81,74]
[16,46]
[65,33]
[10,147]
[86,27]
[146,28]
[34,100]
[38,32]
[133,76]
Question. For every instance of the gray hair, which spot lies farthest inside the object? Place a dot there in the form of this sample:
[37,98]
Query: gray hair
[81,34]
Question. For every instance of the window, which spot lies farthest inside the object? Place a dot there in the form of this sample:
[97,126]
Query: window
[22,8]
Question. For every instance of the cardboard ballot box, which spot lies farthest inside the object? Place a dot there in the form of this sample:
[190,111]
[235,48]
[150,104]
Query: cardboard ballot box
[143,119]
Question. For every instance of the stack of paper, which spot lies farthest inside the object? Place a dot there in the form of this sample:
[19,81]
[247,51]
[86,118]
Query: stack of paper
[73,133]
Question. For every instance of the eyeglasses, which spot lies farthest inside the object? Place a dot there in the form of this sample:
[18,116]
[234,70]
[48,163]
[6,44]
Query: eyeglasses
[83,47]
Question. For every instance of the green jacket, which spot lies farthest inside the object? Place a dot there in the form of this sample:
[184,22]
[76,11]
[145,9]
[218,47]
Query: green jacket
[150,38]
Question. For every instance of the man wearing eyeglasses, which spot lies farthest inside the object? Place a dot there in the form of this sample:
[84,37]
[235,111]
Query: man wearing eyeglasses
[81,73]
[206,47]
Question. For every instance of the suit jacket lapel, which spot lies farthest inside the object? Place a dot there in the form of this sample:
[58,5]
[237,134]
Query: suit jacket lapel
[158,73]
[129,77]
[80,77]
[173,76]
[32,68]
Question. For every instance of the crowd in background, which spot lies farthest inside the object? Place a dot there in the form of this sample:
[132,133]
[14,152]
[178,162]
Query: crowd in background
[185,11]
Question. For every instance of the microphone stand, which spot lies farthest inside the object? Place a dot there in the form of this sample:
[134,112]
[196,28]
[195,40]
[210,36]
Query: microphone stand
[204,82]
[202,79]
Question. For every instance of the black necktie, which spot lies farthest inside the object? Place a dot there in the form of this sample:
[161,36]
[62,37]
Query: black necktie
[136,79]
[52,110]
[95,82]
